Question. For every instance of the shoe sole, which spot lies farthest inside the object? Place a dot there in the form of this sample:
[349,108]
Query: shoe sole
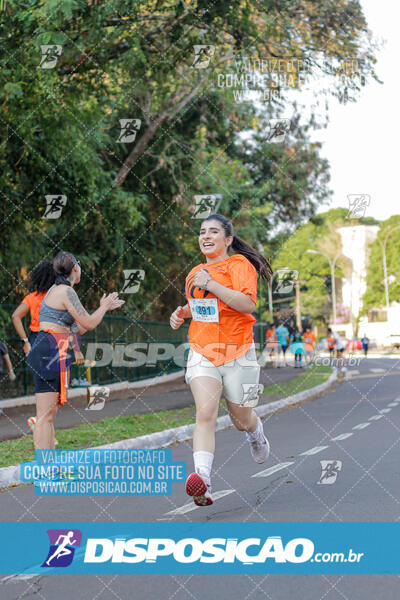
[196,488]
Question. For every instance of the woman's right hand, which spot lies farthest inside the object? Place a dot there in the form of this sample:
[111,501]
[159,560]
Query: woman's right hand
[111,301]
[27,348]
[177,318]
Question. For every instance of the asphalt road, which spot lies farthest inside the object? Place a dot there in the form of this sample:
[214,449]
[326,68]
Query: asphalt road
[357,424]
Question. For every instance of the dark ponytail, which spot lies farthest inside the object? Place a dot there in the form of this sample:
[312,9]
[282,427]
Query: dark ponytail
[259,262]
[63,264]
[42,276]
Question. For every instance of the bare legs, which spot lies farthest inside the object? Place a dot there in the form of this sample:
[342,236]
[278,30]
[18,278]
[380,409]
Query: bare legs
[46,410]
[207,393]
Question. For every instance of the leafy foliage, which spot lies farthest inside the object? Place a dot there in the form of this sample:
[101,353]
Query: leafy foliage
[128,204]
[375,293]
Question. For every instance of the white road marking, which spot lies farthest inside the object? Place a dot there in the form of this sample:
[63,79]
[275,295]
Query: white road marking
[182,510]
[375,417]
[353,372]
[342,436]
[361,426]
[385,410]
[393,404]
[273,469]
[378,370]
[20,577]
[314,450]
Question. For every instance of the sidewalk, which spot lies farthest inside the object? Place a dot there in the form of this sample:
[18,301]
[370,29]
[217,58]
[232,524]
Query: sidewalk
[165,396]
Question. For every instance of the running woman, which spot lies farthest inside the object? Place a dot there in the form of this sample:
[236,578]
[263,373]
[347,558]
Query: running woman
[222,294]
[282,336]
[331,343]
[272,344]
[42,278]
[309,345]
[61,315]
[297,348]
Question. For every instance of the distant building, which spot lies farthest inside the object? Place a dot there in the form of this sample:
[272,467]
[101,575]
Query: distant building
[378,325]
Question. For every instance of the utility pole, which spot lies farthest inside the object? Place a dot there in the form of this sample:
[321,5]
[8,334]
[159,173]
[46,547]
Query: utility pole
[298,305]
[333,285]
[271,310]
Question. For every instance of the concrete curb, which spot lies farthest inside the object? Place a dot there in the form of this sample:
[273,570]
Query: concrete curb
[9,476]
[81,392]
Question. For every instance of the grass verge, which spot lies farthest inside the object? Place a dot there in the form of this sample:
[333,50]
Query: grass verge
[308,378]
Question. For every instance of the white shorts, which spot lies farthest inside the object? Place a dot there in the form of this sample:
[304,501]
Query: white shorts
[240,377]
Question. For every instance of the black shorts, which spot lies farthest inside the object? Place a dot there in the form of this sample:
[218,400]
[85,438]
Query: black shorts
[32,337]
[44,362]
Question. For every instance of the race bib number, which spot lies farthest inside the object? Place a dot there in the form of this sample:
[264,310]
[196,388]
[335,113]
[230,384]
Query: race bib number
[204,309]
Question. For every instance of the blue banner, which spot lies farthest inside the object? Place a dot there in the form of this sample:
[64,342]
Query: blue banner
[103,472]
[212,548]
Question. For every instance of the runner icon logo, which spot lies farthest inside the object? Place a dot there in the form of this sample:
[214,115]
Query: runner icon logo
[330,471]
[284,281]
[50,54]
[205,205]
[129,129]
[358,205]
[251,393]
[62,547]
[202,56]
[54,206]
[279,128]
[96,397]
[133,279]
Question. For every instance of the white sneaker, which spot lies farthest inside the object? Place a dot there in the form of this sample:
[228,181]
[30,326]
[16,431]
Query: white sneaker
[259,448]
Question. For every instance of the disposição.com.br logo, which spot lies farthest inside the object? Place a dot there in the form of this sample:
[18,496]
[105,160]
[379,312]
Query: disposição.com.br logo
[63,543]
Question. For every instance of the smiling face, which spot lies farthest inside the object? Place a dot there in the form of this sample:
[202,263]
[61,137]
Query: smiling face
[212,241]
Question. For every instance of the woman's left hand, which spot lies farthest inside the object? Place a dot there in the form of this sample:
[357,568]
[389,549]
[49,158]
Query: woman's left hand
[79,358]
[201,278]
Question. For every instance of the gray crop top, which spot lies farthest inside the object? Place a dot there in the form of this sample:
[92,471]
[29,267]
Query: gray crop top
[54,315]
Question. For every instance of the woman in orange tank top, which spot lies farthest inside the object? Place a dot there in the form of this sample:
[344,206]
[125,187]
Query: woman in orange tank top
[221,297]
[41,279]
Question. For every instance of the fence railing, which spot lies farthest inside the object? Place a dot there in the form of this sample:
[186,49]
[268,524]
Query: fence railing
[125,349]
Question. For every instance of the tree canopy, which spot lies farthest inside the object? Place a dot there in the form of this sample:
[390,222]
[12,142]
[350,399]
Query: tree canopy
[374,296]
[128,204]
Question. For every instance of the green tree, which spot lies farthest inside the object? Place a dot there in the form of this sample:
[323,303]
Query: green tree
[320,235]
[374,296]
[128,204]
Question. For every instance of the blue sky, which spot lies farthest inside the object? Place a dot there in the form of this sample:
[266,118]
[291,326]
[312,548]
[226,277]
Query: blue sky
[361,140]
